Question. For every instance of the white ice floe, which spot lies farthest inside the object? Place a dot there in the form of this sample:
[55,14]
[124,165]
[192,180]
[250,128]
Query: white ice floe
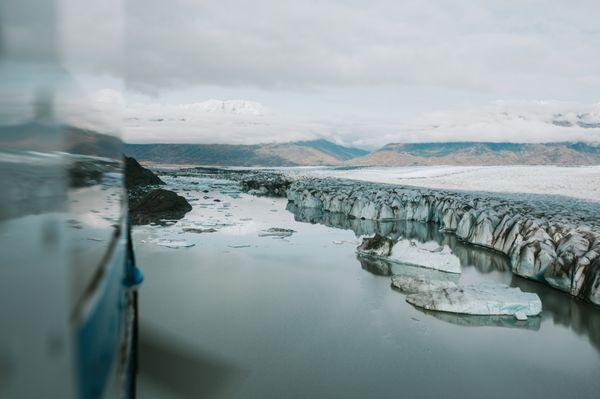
[429,255]
[164,242]
[199,230]
[276,232]
[419,283]
[340,242]
[520,316]
[485,298]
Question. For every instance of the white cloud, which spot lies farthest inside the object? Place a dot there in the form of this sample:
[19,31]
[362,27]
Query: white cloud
[536,49]
[216,121]
[358,73]
[411,70]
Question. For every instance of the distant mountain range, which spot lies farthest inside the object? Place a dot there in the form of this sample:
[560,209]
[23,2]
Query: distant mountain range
[299,153]
[35,136]
[50,137]
[323,152]
[480,153]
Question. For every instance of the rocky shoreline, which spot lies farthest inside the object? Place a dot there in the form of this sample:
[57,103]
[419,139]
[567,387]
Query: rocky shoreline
[550,242]
[549,239]
[147,202]
[261,182]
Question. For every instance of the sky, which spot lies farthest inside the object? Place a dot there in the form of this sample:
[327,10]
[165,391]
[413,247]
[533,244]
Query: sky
[363,73]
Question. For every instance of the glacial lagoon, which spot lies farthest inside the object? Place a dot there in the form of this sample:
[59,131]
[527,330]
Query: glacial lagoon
[238,312]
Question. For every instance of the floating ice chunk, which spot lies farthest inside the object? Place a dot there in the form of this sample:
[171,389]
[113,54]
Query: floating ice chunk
[479,299]
[429,255]
[199,230]
[340,242]
[377,245]
[419,283]
[217,223]
[163,242]
[411,279]
[276,232]
[520,316]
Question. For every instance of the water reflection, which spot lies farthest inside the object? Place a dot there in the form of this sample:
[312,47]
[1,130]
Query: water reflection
[382,267]
[532,323]
[561,309]
[376,266]
[485,261]
[580,317]
[31,183]
[60,221]
[182,371]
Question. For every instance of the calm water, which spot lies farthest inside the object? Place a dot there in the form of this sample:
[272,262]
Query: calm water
[243,316]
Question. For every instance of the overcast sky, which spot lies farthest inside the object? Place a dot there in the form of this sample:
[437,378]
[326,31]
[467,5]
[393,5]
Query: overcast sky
[358,72]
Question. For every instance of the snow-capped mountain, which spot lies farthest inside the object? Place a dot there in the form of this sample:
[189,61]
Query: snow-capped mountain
[244,121]
[511,121]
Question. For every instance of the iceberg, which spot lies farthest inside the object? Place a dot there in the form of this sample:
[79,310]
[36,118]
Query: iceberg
[419,283]
[277,232]
[164,242]
[199,230]
[485,298]
[428,255]
[469,320]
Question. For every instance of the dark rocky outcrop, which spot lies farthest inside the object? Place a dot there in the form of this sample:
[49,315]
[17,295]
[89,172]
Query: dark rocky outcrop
[157,205]
[144,202]
[265,182]
[136,175]
[377,245]
[272,185]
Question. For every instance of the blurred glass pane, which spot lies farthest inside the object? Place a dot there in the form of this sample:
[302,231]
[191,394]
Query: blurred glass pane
[61,193]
